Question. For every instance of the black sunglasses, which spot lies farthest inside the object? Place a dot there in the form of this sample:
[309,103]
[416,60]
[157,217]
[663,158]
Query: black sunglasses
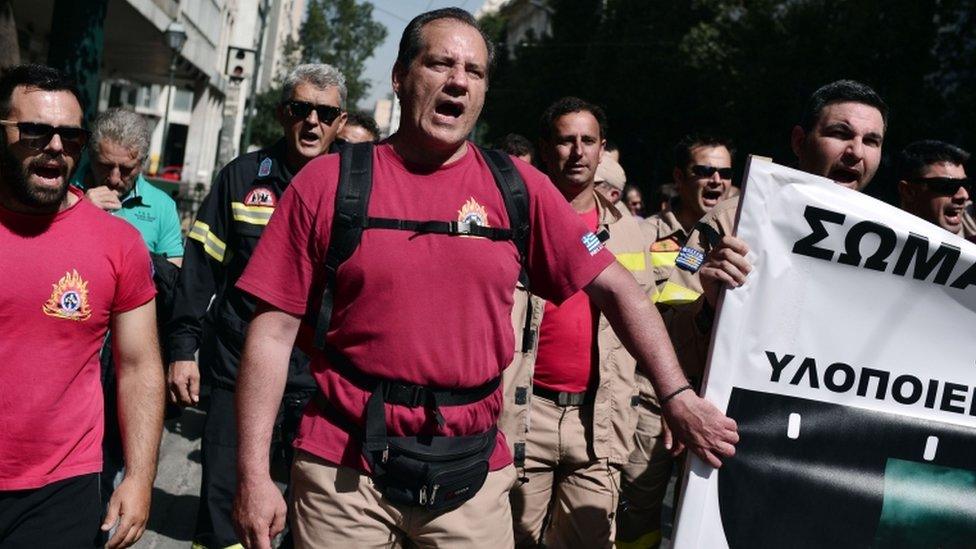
[947,186]
[37,135]
[300,110]
[709,171]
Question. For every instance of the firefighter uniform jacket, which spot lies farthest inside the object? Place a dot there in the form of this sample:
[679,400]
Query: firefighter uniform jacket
[614,415]
[667,236]
[223,237]
[689,320]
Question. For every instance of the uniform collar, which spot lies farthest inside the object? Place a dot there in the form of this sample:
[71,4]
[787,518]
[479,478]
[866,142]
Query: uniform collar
[608,212]
[670,224]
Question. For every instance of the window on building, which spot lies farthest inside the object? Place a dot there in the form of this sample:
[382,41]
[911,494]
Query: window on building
[121,95]
[183,100]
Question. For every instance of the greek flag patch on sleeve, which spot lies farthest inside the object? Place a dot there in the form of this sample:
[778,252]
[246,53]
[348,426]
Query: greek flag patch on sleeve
[689,259]
[592,243]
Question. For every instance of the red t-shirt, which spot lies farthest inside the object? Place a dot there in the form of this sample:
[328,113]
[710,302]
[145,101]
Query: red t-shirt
[426,309]
[63,277]
[564,361]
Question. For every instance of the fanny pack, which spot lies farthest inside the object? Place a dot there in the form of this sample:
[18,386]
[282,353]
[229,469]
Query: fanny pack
[437,473]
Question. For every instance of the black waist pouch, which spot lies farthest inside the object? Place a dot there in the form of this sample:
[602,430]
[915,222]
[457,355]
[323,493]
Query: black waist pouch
[436,473]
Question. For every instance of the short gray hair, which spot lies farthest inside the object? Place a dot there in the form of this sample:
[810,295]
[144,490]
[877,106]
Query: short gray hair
[319,75]
[124,128]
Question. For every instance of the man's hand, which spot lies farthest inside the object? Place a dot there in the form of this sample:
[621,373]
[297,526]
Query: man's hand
[104,197]
[259,511]
[184,382]
[674,446]
[725,263]
[704,429]
[129,508]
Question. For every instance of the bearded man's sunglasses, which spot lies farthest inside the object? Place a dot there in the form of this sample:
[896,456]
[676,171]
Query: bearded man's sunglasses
[299,110]
[37,135]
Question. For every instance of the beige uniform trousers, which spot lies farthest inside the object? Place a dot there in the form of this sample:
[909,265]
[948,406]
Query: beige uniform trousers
[335,506]
[645,478]
[567,491]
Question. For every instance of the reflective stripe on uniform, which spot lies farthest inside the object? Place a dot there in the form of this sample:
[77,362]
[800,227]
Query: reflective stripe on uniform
[633,261]
[675,294]
[663,259]
[255,215]
[214,246]
[647,541]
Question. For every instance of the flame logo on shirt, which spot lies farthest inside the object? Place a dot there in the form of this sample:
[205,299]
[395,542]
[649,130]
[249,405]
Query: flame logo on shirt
[474,213]
[69,299]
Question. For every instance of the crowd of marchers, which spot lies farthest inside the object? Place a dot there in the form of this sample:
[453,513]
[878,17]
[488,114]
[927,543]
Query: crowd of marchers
[428,342]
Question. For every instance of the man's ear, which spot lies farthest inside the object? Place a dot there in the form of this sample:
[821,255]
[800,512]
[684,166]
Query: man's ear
[797,138]
[614,195]
[678,176]
[397,78]
[906,193]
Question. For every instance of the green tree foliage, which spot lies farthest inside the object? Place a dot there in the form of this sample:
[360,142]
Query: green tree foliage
[743,68]
[341,33]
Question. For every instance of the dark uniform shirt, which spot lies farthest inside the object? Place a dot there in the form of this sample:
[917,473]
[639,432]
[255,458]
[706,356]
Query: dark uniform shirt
[223,237]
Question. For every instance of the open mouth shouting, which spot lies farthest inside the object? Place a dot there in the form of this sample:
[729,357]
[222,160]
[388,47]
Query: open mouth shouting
[448,110]
[952,214]
[308,138]
[847,177]
[49,173]
[711,197]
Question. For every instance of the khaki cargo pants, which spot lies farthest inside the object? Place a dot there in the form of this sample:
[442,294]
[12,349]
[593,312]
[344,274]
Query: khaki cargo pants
[335,506]
[566,491]
[645,478]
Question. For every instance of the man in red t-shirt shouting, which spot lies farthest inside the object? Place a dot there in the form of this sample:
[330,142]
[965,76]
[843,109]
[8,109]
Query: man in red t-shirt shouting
[421,313]
[69,272]
[576,429]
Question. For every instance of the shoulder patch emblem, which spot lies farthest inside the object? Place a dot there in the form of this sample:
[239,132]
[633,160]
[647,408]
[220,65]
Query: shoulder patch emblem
[69,298]
[666,245]
[592,243]
[473,213]
[690,259]
[261,196]
[264,170]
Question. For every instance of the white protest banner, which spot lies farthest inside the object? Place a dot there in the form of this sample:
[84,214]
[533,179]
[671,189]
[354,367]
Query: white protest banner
[848,360]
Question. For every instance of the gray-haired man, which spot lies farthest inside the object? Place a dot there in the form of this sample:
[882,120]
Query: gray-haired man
[228,225]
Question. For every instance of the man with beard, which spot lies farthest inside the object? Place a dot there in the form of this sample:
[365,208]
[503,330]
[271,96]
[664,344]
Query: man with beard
[68,272]
[421,320]
[932,183]
[229,224]
[702,178]
[839,137]
[576,429]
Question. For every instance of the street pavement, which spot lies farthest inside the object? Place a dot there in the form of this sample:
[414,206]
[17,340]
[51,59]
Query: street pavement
[176,492]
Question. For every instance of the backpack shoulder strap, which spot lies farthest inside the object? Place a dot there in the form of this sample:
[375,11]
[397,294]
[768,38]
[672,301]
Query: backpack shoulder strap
[348,221]
[516,198]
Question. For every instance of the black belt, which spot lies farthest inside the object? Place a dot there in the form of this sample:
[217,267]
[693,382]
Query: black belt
[562,398]
[405,394]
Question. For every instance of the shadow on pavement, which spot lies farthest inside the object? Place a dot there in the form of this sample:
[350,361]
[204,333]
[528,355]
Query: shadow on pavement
[173,516]
[189,425]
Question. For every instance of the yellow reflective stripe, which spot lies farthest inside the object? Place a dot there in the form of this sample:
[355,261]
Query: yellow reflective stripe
[255,215]
[663,259]
[634,261]
[647,541]
[675,294]
[214,246]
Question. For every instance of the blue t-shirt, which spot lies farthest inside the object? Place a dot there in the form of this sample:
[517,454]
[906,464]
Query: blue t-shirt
[150,210]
